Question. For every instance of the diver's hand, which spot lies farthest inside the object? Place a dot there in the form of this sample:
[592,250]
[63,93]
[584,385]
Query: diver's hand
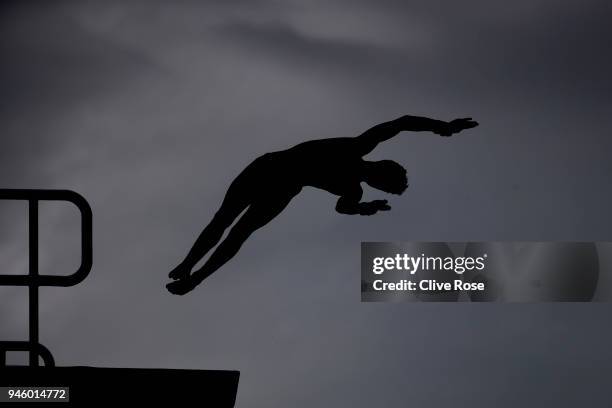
[454,126]
[372,207]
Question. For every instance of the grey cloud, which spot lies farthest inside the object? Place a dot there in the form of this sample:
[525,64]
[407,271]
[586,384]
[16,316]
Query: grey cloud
[51,66]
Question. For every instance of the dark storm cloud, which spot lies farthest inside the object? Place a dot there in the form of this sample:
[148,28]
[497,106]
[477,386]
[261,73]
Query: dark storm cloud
[284,42]
[150,108]
[551,51]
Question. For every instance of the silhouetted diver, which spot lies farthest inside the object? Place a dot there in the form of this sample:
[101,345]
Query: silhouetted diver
[267,185]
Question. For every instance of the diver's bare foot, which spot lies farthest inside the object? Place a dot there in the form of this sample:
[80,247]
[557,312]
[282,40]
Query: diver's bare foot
[181,286]
[180,272]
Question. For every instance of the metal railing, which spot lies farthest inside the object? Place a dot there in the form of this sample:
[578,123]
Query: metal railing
[33,280]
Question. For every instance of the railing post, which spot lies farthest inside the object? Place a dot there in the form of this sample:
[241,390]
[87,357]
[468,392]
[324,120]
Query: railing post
[33,286]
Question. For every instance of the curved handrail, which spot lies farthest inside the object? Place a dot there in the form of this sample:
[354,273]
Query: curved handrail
[33,280]
[39,349]
[86,237]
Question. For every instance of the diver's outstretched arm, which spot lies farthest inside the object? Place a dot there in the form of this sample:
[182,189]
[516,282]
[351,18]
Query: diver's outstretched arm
[369,139]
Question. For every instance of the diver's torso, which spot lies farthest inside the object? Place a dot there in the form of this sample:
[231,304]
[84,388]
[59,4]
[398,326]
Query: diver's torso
[328,164]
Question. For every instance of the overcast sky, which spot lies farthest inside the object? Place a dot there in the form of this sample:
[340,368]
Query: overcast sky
[149,109]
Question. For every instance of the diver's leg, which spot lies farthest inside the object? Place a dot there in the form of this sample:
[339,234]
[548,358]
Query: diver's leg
[257,215]
[235,201]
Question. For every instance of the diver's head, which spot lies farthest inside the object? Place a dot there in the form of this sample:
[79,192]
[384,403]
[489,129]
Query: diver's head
[385,175]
